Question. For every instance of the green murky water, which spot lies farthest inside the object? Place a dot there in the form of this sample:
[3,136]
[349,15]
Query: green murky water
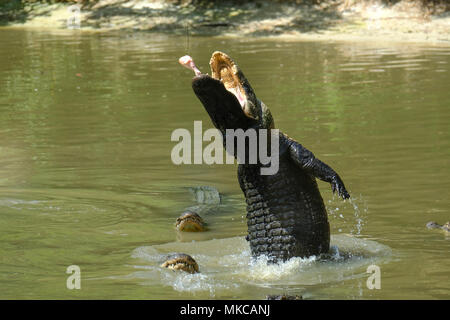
[86,177]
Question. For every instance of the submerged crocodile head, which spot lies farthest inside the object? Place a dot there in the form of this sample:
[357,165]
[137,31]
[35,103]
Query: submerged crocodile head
[228,97]
[190,221]
[180,261]
[434,225]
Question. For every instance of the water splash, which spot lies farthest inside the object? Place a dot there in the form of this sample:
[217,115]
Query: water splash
[226,266]
[260,269]
[350,216]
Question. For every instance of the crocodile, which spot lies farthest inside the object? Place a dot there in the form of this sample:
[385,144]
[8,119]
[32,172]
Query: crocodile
[180,261]
[434,225]
[283,297]
[190,221]
[286,215]
[208,200]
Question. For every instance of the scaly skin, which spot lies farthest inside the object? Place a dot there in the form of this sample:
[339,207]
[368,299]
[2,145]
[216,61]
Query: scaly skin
[181,261]
[286,216]
[190,221]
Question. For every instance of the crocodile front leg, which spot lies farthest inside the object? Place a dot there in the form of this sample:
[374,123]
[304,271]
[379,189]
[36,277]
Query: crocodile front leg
[306,160]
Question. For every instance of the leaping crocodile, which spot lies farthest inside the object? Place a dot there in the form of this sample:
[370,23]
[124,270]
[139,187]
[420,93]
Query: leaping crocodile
[286,216]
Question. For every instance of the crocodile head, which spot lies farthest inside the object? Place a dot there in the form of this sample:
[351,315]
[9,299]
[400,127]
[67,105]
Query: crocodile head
[434,225]
[228,97]
[190,221]
[180,261]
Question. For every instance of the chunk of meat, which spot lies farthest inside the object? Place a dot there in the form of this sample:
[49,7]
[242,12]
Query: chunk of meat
[188,62]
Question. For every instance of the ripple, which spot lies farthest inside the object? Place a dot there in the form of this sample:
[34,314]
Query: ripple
[73,206]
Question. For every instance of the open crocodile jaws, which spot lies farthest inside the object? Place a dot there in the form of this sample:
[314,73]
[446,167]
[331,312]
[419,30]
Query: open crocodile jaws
[286,216]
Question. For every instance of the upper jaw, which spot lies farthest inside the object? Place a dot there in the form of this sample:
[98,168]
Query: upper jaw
[220,92]
[224,69]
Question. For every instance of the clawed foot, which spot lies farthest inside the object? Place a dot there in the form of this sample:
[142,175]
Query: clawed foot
[338,185]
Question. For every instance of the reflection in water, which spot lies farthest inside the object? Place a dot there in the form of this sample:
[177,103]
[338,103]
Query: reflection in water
[86,176]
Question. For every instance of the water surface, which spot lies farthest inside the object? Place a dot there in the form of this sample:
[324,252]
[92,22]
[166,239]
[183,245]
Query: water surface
[86,176]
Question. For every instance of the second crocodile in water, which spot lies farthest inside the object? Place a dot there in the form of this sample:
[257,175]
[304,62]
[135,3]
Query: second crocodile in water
[286,216]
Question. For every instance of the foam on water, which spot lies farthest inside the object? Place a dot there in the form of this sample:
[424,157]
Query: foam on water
[226,264]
